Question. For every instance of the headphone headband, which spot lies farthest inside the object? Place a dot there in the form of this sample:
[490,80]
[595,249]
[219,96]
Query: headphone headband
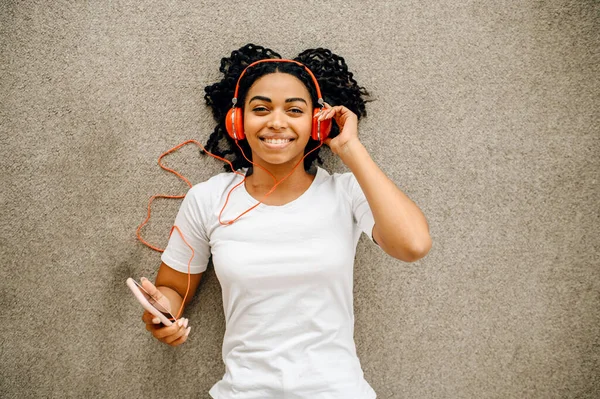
[237,85]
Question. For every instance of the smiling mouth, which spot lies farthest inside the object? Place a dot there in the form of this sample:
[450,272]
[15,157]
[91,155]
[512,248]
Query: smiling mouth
[276,141]
[276,144]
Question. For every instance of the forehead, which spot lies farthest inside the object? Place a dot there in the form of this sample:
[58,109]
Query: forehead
[279,85]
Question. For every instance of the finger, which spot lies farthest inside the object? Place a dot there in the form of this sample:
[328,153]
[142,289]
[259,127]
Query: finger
[327,113]
[172,339]
[169,339]
[150,288]
[158,299]
[324,109]
[157,330]
[151,320]
[147,317]
[181,339]
[165,332]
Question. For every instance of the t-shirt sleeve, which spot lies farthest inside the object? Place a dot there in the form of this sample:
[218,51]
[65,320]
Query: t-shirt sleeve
[191,222]
[360,207]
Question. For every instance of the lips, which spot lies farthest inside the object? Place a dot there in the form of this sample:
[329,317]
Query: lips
[276,137]
[276,143]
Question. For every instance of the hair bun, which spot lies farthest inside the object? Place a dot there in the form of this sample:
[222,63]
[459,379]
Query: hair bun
[337,83]
[246,55]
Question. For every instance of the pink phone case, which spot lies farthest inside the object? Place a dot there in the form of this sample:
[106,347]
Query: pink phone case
[147,305]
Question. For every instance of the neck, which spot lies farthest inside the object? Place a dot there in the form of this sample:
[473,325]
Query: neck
[262,181]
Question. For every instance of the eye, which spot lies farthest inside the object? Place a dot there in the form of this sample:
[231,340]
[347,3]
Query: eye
[296,111]
[260,109]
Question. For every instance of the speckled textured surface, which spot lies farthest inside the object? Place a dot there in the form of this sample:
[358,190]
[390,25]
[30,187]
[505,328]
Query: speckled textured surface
[486,114]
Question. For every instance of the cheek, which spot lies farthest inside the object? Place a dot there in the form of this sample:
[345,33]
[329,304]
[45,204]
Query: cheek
[304,125]
[250,122]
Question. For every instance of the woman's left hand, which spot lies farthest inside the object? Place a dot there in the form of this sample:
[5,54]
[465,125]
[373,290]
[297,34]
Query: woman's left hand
[347,122]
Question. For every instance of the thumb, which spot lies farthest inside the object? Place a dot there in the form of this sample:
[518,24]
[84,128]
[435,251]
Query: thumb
[157,299]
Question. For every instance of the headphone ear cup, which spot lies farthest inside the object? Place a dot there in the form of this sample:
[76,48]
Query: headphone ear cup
[325,126]
[234,123]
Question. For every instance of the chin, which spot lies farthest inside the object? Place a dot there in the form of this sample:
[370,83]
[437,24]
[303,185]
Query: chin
[280,161]
[278,158]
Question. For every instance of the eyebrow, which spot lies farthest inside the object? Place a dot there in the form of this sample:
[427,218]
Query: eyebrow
[267,99]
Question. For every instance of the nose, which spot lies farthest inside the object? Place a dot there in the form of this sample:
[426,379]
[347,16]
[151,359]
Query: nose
[277,121]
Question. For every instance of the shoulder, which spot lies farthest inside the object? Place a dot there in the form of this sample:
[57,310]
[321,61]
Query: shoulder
[342,180]
[218,182]
[214,187]
[344,183]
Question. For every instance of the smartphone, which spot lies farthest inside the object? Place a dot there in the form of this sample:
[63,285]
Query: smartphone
[144,298]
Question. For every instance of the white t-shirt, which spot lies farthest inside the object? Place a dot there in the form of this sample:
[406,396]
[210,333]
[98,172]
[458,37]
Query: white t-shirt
[286,274]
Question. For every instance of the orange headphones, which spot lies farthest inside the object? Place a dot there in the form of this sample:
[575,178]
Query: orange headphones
[234,122]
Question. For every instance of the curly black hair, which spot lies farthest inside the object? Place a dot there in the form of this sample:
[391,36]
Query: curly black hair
[337,84]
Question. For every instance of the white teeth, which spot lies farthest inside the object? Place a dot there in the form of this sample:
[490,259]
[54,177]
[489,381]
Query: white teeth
[277,141]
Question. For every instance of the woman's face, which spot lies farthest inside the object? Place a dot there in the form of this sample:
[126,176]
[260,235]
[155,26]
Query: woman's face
[277,119]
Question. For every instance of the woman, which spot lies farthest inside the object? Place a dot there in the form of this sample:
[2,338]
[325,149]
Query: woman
[286,266]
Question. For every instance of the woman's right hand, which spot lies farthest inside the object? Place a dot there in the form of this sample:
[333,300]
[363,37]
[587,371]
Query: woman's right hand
[173,335]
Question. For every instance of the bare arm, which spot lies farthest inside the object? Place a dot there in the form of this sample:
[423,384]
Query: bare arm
[401,229]
[173,285]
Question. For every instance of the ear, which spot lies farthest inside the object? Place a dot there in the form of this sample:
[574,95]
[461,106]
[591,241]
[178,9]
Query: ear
[325,126]
[234,123]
